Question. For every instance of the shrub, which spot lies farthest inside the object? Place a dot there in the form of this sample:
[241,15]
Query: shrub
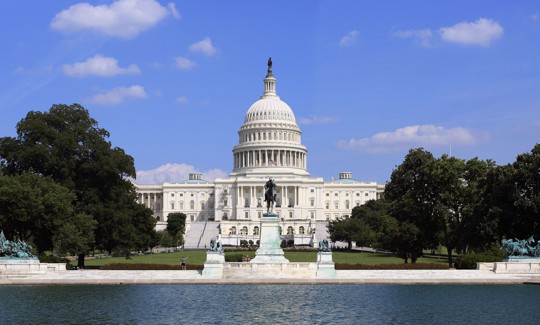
[236,257]
[400,266]
[290,243]
[468,262]
[283,243]
[145,266]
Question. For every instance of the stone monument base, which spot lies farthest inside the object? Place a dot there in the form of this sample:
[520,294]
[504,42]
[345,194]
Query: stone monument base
[22,267]
[270,250]
[522,265]
[325,265]
[213,267]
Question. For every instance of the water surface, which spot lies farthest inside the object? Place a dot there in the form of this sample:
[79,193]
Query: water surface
[270,304]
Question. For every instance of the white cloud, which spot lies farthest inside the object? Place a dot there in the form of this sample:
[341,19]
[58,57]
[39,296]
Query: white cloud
[174,12]
[185,63]
[117,95]
[316,120]
[481,32]
[205,47]
[182,100]
[122,18]
[349,39]
[98,65]
[411,136]
[175,173]
[422,36]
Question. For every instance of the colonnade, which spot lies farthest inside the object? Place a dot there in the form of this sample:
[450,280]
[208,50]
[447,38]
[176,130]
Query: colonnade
[252,191]
[150,200]
[259,158]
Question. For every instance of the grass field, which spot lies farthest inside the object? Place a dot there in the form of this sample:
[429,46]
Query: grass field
[199,257]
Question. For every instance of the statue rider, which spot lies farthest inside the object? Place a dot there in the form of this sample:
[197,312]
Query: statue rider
[270,194]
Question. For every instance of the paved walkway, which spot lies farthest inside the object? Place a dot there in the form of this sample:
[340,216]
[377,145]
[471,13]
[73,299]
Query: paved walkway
[343,277]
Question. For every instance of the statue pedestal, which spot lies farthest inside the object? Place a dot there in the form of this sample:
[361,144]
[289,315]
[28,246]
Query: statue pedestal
[270,243]
[213,267]
[325,265]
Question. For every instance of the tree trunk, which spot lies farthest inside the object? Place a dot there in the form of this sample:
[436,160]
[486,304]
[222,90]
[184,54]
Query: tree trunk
[80,261]
[450,262]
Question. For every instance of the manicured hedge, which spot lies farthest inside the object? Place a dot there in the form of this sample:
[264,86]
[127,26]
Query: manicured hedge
[468,262]
[402,266]
[144,266]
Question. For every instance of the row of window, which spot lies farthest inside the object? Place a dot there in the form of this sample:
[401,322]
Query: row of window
[244,231]
[191,205]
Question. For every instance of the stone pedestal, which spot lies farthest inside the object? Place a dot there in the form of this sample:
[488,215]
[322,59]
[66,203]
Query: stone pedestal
[517,265]
[325,265]
[213,267]
[270,243]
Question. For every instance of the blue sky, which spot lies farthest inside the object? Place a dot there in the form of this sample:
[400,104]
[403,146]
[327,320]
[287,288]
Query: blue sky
[367,80]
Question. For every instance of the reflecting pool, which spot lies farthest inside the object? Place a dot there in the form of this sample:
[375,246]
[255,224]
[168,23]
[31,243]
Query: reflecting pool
[270,304]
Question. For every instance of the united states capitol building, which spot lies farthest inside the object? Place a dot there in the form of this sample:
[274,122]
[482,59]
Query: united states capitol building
[269,146]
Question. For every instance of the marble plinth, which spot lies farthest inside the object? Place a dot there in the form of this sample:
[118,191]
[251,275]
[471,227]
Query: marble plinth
[213,267]
[270,250]
[325,265]
[518,267]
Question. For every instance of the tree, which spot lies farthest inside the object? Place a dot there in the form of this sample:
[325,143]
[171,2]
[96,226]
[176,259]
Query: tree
[176,222]
[412,197]
[33,208]
[66,144]
[349,230]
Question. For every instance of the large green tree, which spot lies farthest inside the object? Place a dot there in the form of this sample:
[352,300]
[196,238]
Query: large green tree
[33,208]
[66,144]
[412,198]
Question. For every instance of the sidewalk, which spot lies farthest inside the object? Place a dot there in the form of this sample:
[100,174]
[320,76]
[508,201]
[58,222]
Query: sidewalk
[343,277]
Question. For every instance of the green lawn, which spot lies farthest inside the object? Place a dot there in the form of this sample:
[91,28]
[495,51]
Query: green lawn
[199,257]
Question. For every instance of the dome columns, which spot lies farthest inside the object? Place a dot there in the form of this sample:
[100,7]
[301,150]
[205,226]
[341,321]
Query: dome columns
[269,158]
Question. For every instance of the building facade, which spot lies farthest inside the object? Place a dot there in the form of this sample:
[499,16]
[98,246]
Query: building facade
[269,145]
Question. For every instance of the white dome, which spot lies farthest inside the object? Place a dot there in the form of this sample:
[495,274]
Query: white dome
[270,108]
[269,140]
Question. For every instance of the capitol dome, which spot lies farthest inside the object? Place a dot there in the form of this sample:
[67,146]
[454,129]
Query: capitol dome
[270,140]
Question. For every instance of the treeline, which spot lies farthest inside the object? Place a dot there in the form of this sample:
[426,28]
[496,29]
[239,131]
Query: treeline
[463,205]
[65,189]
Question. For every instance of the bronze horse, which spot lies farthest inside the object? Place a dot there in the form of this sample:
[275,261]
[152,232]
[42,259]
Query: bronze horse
[270,195]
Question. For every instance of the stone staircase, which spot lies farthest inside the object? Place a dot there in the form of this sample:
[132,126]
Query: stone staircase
[199,234]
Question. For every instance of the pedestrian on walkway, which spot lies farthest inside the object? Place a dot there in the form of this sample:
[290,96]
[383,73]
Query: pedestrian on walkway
[183,262]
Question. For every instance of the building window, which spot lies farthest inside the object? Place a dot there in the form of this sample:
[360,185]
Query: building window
[347,204]
[157,218]
[312,202]
[202,205]
[246,203]
[259,214]
[336,205]
[335,194]
[290,230]
[172,194]
[172,206]
[367,194]
[192,217]
[327,205]
[192,205]
[232,231]
[246,214]
[312,213]
[327,194]
[327,217]
[357,194]
[181,194]
[255,231]
[181,205]
[225,202]
[244,231]
[158,207]
[312,191]
[301,230]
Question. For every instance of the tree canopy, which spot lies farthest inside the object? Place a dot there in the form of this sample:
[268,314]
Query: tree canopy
[66,145]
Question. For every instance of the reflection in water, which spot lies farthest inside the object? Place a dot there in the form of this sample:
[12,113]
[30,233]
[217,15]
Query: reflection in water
[270,304]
